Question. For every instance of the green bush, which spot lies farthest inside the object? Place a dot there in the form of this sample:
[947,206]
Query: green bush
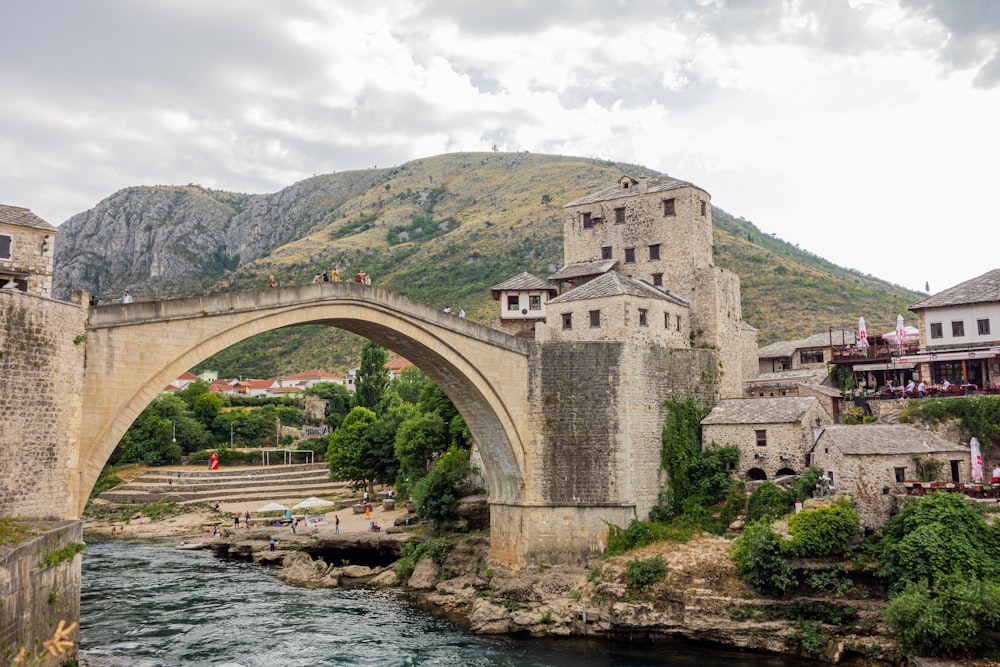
[437,494]
[953,618]
[939,535]
[229,457]
[643,573]
[758,557]
[805,486]
[640,533]
[768,501]
[823,531]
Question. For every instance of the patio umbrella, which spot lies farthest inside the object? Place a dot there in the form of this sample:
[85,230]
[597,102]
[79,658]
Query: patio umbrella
[862,334]
[273,507]
[909,334]
[312,502]
[977,461]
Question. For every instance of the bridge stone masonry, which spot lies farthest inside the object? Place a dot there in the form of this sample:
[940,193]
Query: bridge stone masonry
[569,431]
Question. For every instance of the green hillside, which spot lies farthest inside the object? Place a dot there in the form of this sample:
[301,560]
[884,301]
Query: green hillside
[442,230]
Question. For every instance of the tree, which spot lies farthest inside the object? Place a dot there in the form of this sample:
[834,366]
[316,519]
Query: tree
[191,392]
[437,494]
[410,384]
[338,401]
[206,407]
[382,442]
[347,454]
[417,438]
[372,378]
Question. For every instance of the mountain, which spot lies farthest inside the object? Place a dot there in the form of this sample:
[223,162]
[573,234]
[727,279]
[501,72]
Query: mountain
[439,230]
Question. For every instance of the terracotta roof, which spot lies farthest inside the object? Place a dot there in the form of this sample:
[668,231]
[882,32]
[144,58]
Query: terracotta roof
[785,348]
[308,375]
[22,217]
[653,184]
[257,384]
[783,410]
[886,439]
[580,269]
[617,284]
[523,281]
[981,289]
[397,364]
[186,375]
[171,387]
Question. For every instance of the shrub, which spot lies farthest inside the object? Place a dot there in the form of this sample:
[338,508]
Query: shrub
[643,573]
[805,485]
[768,501]
[437,494]
[757,555]
[640,533]
[823,531]
[955,617]
[939,535]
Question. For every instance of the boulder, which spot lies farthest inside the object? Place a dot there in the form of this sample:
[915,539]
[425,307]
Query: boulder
[425,575]
[488,618]
[298,569]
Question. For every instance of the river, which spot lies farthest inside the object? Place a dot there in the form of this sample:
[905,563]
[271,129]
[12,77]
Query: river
[145,604]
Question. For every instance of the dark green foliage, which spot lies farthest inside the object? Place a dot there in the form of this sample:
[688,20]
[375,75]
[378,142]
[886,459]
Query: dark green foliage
[417,438]
[640,533]
[954,617]
[681,450]
[823,531]
[347,453]
[232,457]
[809,636]
[979,414]
[769,501]
[410,384]
[382,442]
[641,573]
[805,486]
[338,399]
[758,557]
[412,551]
[372,379]
[437,494]
[936,536]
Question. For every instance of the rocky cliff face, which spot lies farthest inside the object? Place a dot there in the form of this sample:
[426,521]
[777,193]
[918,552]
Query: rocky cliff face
[174,240]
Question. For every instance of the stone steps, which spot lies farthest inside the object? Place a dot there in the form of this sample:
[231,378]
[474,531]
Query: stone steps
[286,481]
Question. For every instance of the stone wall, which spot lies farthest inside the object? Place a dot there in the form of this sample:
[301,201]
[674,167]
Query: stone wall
[791,440]
[34,597]
[667,323]
[32,251]
[597,414]
[41,362]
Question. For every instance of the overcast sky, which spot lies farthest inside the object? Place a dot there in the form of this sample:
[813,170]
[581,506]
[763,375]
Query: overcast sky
[865,131]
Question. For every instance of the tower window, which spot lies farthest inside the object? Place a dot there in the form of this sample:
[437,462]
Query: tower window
[668,208]
[666,320]
[654,251]
[643,319]
[588,222]
[606,252]
[630,255]
[5,243]
[595,319]
[619,216]
[658,279]
[704,208]
[761,438]
[567,321]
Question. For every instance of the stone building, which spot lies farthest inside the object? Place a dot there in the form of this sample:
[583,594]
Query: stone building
[639,267]
[960,330]
[523,300]
[815,351]
[813,382]
[871,463]
[774,435]
[27,248]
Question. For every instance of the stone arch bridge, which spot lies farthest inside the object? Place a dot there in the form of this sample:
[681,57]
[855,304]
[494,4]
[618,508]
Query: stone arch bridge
[568,431]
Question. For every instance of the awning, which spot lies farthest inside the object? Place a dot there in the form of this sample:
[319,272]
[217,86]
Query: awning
[952,355]
[885,366]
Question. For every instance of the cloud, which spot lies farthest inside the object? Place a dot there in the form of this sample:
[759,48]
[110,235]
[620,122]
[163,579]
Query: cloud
[972,35]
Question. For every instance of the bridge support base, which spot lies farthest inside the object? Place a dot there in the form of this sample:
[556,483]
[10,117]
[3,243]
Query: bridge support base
[553,534]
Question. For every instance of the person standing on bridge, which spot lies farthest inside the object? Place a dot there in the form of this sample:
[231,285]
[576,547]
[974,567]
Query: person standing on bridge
[271,282]
[126,298]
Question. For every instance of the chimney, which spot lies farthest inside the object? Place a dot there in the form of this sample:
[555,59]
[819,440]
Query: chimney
[642,185]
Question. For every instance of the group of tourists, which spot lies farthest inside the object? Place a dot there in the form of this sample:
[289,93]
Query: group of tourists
[455,310]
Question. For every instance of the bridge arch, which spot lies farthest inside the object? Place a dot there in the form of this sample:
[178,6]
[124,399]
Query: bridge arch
[135,350]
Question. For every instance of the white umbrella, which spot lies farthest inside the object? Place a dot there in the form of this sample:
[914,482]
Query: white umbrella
[273,507]
[312,502]
[909,334]
[977,461]
[862,334]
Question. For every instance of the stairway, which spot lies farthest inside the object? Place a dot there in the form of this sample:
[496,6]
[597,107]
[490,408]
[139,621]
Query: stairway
[262,483]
